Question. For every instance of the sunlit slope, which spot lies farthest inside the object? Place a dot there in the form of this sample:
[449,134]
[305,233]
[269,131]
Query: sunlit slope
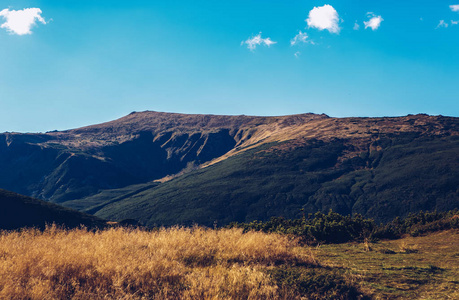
[17,211]
[395,175]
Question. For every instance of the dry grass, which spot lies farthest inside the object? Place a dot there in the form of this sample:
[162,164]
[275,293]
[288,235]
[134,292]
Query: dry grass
[408,248]
[118,263]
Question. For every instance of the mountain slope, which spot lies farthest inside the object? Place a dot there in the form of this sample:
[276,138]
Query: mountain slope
[164,168]
[62,166]
[19,211]
[406,175]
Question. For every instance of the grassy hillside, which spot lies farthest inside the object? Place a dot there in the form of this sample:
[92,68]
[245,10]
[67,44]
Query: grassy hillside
[17,211]
[396,175]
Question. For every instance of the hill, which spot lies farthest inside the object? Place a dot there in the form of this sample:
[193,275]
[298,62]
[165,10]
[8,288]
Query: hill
[19,211]
[163,168]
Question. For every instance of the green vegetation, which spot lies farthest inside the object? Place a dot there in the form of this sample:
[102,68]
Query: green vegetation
[398,175]
[329,228]
[335,228]
[95,202]
[416,224]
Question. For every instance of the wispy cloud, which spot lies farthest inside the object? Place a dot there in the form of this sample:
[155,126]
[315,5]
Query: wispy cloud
[301,37]
[324,17]
[20,22]
[442,24]
[257,40]
[356,26]
[454,22]
[297,54]
[454,7]
[374,22]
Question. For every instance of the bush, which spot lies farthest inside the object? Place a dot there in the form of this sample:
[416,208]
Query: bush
[335,228]
[416,224]
[317,228]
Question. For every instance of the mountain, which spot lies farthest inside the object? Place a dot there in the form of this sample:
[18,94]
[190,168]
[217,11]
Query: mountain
[164,168]
[62,166]
[19,211]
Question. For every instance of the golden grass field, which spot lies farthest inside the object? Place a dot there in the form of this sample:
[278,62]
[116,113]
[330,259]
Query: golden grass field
[199,263]
[119,263]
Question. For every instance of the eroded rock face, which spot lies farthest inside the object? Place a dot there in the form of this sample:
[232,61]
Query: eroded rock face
[146,146]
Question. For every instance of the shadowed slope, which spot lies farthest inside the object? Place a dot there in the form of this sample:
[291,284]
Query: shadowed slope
[17,211]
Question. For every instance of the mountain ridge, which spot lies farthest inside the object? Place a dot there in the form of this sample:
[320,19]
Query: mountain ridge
[72,166]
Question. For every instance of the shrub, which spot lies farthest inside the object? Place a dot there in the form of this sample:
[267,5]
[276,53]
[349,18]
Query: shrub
[335,228]
[416,224]
[317,228]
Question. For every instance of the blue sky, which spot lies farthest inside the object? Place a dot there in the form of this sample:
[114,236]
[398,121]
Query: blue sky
[80,62]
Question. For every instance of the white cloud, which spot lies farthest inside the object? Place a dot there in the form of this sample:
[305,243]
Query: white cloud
[297,54]
[356,26]
[374,22]
[442,24]
[301,37]
[454,7]
[21,21]
[324,17]
[254,41]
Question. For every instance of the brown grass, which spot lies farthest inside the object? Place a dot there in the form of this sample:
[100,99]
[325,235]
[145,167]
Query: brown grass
[175,263]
